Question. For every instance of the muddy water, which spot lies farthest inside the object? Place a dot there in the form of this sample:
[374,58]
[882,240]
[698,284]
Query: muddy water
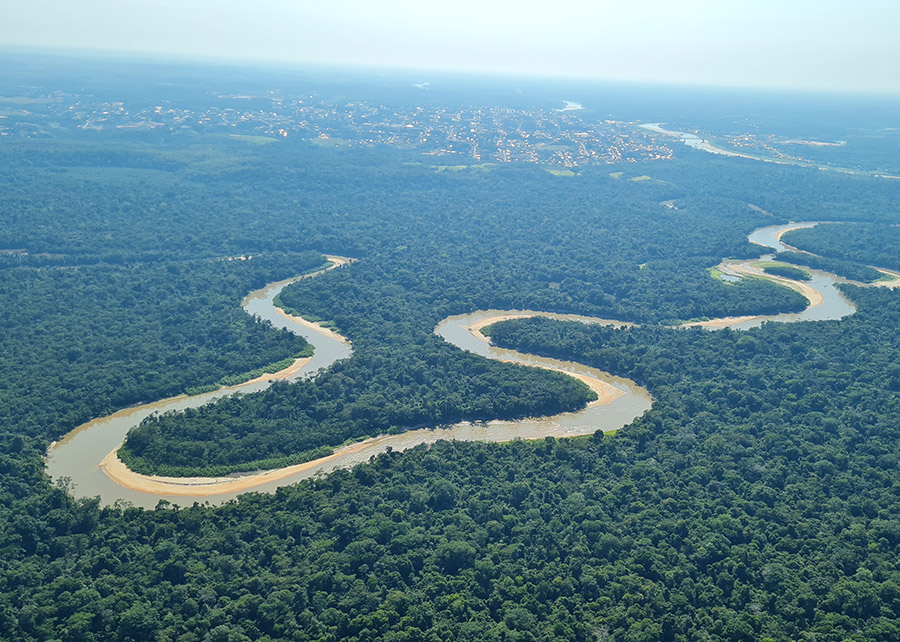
[770,236]
[834,306]
[78,454]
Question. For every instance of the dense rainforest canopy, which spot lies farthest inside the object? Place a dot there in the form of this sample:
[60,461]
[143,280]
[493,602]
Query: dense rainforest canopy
[757,499]
[846,269]
[865,243]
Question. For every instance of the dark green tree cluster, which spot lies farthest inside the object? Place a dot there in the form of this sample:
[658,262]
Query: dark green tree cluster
[845,269]
[788,272]
[867,244]
[383,392]
[88,341]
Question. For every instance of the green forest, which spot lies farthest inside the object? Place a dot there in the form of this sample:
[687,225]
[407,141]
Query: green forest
[787,271]
[846,269]
[755,500]
[864,243]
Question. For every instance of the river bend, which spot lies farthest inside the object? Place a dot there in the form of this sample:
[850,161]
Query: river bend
[85,460]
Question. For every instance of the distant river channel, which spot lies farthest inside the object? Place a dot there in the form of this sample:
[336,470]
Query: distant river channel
[75,459]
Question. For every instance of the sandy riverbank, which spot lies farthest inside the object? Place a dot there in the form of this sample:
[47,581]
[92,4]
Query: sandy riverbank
[723,322]
[606,392]
[328,332]
[336,262]
[812,295]
[791,248]
[116,470]
[299,364]
[895,275]
[887,284]
[292,369]
[209,486]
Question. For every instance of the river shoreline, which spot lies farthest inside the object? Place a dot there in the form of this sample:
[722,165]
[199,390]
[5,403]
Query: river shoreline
[696,142]
[209,487]
[619,401]
[606,392]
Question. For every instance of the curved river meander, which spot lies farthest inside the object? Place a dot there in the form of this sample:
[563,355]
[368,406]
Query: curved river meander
[86,455]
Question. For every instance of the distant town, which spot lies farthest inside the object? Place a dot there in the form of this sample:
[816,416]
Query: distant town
[554,137]
[563,138]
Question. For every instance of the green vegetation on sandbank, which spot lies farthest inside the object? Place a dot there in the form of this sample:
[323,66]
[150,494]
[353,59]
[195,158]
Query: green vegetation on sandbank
[787,271]
[845,269]
[140,465]
[236,379]
[861,243]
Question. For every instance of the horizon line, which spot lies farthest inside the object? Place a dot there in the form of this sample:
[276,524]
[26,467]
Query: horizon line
[136,56]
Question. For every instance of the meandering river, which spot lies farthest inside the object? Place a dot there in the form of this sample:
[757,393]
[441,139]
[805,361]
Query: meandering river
[85,458]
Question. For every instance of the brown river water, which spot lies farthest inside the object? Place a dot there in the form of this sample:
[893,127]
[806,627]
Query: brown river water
[75,460]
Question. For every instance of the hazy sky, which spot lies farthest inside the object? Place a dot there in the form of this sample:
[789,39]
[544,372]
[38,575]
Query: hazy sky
[844,45]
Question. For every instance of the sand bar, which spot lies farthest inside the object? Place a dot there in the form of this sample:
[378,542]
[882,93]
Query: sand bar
[116,470]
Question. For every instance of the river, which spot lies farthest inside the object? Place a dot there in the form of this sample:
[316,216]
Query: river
[75,459]
[77,455]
